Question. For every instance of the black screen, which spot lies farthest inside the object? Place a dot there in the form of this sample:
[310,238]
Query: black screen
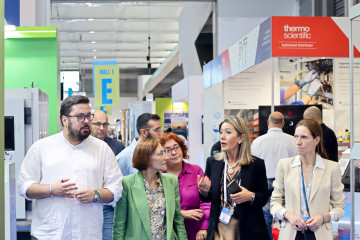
[292,115]
[9,133]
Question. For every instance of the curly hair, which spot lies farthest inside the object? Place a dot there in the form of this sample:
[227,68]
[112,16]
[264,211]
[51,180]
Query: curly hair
[168,136]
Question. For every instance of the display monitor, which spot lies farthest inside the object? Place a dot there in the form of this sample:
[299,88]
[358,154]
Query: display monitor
[9,133]
[292,115]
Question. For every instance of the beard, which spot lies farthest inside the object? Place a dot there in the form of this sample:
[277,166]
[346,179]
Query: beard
[148,136]
[78,135]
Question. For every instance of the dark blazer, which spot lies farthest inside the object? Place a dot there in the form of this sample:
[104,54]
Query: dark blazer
[330,143]
[251,218]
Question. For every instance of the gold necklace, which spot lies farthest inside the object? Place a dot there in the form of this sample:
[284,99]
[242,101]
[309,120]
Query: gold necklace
[230,169]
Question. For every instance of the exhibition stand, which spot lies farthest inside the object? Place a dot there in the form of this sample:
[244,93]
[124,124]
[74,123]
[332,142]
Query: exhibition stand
[269,67]
[190,90]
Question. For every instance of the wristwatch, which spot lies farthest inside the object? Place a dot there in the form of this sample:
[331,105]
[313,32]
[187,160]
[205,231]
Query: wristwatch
[253,197]
[97,197]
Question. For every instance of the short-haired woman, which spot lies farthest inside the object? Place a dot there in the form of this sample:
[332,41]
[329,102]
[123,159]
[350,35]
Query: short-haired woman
[195,212]
[238,215]
[308,184]
[150,205]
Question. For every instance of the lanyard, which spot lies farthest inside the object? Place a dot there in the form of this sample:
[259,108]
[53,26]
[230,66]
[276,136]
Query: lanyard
[303,187]
[225,187]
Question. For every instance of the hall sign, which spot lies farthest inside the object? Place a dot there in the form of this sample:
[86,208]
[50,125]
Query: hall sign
[106,87]
[284,37]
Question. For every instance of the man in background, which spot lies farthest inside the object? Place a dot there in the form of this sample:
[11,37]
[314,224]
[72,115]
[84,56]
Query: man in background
[271,147]
[99,129]
[329,137]
[148,126]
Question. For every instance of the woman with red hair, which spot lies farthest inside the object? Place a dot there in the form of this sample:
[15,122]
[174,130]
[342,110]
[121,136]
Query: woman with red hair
[195,212]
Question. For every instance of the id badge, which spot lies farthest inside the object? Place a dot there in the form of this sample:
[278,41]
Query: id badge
[225,215]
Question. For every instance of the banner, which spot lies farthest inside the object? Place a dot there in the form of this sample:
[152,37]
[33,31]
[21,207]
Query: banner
[106,86]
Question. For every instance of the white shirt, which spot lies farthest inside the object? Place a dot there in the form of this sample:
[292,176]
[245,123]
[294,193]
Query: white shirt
[319,163]
[91,165]
[273,146]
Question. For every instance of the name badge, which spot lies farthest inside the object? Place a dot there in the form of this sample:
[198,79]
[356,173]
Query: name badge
[225,215]
[305,218]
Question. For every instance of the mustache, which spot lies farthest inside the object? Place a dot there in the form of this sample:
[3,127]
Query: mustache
[85,126]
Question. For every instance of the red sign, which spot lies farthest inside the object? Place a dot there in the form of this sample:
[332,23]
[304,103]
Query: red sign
[308,37]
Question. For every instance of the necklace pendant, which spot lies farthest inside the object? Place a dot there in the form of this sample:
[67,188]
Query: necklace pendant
[230,170]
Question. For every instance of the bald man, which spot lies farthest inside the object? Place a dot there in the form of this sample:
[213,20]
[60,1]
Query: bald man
[329,137]
[99,129]
[273,146]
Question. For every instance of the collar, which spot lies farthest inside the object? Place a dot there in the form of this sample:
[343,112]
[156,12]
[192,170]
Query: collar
[319,162]
[185,170]
[275,129]
[134,142]
[68,142]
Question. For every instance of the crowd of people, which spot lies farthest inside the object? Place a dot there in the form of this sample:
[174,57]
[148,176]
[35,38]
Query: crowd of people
[91,187]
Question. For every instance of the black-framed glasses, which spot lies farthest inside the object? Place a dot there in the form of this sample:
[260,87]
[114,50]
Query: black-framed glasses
[99,124]
[169,150]
[158,129]
[160,154]
[81,117]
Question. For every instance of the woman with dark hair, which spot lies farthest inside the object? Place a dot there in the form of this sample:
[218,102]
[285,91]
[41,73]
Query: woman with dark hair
[234,214]
[308,184]
[150,205]
[195,212]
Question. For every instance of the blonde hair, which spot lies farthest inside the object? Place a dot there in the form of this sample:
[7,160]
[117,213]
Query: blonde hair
[244,155]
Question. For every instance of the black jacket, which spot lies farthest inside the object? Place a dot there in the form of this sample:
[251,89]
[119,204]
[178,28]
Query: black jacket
[251,218]
[330,143]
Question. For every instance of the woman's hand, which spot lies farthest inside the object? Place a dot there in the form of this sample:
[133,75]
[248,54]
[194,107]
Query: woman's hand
[314,223]
[243,196]
[296,221]
[204,184]
[201,235]
[194,214]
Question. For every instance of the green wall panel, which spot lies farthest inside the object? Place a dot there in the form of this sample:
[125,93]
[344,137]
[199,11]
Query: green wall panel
[34,61]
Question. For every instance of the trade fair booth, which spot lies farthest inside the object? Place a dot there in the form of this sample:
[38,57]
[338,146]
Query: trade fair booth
[267,69]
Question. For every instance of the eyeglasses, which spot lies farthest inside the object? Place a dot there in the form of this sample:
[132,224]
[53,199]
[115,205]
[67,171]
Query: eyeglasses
[169,150]
[159,154]
[81,117]
[99,124]
[158,129]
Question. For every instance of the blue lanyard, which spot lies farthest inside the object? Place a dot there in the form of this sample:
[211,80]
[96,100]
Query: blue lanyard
[303,187]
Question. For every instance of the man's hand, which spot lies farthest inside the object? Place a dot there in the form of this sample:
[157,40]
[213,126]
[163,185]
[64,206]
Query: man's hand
[85,196]
[194,214]
[315,222]
[296,221]
[243,196]
[201,235]
[63,189]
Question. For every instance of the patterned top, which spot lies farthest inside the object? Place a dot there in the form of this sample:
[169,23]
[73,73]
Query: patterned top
[157,210]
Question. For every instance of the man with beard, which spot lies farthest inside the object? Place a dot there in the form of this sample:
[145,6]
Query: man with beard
[99,129]
[70,175]
[148,126]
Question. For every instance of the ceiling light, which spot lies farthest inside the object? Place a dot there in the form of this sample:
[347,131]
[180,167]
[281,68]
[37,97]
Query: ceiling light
[89,4]
[92,32]
[94,50]
[90,19]
[93,41]
[94,56]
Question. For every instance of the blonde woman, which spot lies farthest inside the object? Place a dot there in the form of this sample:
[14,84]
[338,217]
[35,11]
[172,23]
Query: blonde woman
[238,215]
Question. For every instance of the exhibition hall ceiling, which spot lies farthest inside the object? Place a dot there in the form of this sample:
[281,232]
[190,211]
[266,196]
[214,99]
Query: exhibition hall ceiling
[116,31]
